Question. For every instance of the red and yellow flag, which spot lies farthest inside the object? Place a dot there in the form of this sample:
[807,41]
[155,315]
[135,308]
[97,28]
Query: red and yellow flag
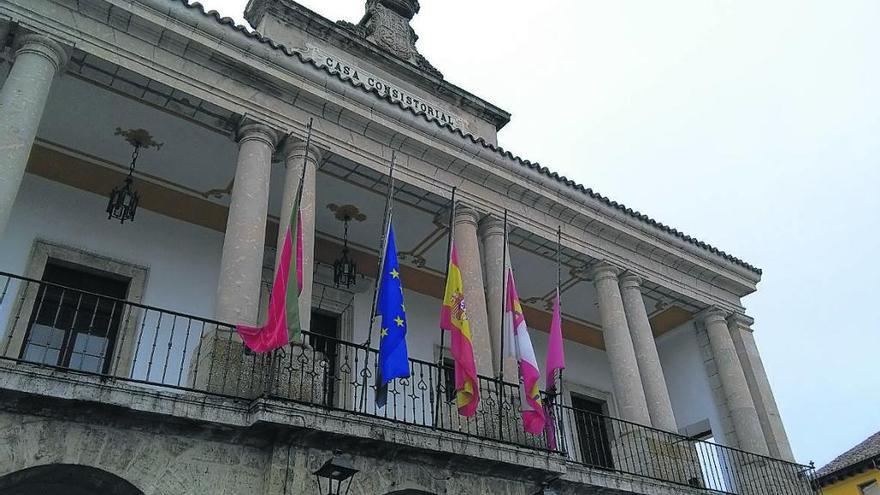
[453,318]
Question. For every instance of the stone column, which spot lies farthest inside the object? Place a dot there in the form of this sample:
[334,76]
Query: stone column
[241,264]
[653,381]
[295,156]
[759,386]
[22,99]
[468,246]
[733,383]
[491,232]
[628,391]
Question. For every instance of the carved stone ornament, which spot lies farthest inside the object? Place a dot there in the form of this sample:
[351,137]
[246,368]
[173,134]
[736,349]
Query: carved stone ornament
[138,137]
[346,212]
[386,23]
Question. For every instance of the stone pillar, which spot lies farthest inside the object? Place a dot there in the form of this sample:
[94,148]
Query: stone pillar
[295,156]
[733,383]
[241,264]
[759,386]
[627,384]
[468,246]
[491,232]
[653,381]
[22,99]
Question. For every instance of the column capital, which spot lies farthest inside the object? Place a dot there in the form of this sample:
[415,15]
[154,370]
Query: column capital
[713,314]
[740,320]
[629,280]
[250,129]
[42,45]
[602,270]
[465,213]
[490,225]
[293,147]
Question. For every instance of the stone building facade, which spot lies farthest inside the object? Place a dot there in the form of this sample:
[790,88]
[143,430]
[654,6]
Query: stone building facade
[120,372]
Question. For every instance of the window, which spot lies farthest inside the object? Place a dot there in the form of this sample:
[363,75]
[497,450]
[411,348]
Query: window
[592,431]
[870,488]
[324,332]
[74,323]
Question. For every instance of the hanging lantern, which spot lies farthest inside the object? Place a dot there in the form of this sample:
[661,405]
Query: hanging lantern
[345,268]
[124,199]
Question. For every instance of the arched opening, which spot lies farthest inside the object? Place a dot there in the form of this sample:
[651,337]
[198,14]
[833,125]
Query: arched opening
[65,479]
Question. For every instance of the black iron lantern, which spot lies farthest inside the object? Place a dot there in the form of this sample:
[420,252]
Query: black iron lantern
[124,199]
[345,268]
[334,473]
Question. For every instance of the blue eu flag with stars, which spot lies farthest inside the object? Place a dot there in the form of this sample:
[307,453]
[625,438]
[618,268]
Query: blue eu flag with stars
[393,356]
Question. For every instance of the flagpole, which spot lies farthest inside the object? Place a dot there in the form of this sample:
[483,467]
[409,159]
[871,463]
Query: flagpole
[380,267]
[558,390]
[503,299]
[558,283]
[443,332]
[389,204]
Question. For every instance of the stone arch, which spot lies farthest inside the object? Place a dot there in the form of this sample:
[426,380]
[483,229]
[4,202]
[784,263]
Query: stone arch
[65,479]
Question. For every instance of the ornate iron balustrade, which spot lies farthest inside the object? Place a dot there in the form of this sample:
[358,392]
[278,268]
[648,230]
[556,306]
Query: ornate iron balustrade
[79,331]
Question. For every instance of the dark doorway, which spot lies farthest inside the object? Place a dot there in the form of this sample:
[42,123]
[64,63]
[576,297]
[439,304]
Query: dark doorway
[75,326]
[592,431]
[65,479]
[324,339]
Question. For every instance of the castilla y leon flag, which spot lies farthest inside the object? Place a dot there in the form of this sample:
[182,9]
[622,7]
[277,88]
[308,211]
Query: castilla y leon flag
[284,301]
[518,345]
[453,318]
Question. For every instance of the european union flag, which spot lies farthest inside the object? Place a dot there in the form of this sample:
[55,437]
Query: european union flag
[393,356]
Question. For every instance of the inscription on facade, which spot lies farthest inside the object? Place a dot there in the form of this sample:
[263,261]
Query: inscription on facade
[384,88]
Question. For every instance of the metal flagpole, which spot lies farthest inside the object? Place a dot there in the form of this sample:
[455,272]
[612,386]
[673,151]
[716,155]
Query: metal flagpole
[558,391]
[437,399]
[503,299]
[383,240]
[273,357]
[386,222]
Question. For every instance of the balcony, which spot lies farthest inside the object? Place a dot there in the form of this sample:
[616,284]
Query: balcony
[81,333]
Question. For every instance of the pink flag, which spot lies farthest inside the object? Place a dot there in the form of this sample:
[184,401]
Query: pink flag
[284,301]
[555,355]
[519,346]
[555,362]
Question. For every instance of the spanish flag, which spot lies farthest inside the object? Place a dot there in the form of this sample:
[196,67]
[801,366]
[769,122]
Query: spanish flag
[453,318]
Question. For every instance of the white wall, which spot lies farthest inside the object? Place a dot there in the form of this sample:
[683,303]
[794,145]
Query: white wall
[182,259]
[687,380]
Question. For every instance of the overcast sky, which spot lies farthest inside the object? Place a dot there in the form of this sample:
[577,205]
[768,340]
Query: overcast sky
[752,125]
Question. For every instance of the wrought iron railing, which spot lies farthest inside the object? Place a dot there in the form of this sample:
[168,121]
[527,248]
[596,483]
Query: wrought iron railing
[79,331]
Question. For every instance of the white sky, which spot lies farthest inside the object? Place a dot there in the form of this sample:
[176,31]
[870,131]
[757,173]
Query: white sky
[752,125]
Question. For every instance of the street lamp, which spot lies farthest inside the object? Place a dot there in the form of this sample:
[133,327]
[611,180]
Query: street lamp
[336,471]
